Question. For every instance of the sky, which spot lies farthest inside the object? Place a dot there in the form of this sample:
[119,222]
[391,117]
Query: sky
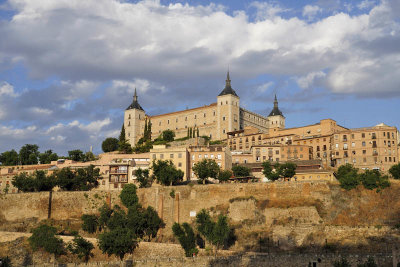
[68,68]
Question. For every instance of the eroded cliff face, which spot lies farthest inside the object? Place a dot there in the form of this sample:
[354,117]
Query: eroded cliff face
[265,216]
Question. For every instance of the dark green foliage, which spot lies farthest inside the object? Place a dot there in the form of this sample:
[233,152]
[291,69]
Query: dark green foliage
[274,172]
[35,182]
[207,168]
[241,171]
[128,195]
[198,132]
[269,171]
[221,231]
[83,179]
[142,175]
[224,175]
[104,217]
[342,263]
[348,176]
[152,223]
[369,263]
[47,157]
[217,233]
[110,144]
[186,237]
[172,193]
[28,154]
[118,241]
[373,179]
[168,135]
[205,226]
[122,138]
[89,156]
[90,223]
[166,173]
[117,219]
[394,171]
[81,247]
[76,155]
[9,158]
[190,132]
[143,146]
[43,237]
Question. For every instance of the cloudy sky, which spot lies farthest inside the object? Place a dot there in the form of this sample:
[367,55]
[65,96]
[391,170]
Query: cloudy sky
[68,68]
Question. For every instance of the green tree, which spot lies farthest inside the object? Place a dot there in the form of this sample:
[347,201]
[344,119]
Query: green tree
[47,157]
[90,223]
[269,171]
[89,156]
[28,154]
[44,237]
[205,226]
[104,217]
[83,179]
[128,195]
[168,135]
[152,223]
[118,241]
[394,171]
[287,170]
[76,155]
[220,232]
[207,168]
[9,158]
[36,182]
[198,132]
[81,247]
[142,175]
[186,237]
[122,138]
[224,175]
[241,171]
[374,179]
[348,176]
[5,262]
[125,147]
[166,173]
[110,144]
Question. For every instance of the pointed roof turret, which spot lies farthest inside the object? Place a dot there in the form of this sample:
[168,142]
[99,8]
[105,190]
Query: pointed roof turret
[228,89]
[135,104]
[275,111]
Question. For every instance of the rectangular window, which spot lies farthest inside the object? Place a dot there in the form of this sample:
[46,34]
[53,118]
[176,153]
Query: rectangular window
[363,143]
[353,144]
[219,156]
[171,156]
[363,135]
[180,164]
[180,155]
[206,156]
[193,157]
[223,118]
[154,156]
[199,156]
[161,156]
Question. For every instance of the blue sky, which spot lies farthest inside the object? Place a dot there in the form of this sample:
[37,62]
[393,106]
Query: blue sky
[68,68]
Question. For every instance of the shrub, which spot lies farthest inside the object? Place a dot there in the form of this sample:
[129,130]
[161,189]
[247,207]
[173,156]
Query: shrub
[395,171]
[44,237]
[224,175]
[241,171]
[186,238]
[81,247]
[90,223]
[348,176]
[128,195]
[118,241]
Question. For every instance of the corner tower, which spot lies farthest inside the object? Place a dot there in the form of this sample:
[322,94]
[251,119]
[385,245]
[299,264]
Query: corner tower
[275,117]
[227,111]
[133,120]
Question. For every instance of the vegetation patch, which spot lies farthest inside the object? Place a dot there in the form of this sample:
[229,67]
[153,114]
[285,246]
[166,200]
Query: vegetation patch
[242,199]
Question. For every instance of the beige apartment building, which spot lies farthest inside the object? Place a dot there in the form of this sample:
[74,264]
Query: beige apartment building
[214,120]
[220,153]
[367,148]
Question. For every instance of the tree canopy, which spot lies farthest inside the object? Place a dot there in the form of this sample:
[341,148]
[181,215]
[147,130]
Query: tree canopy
[186,237]
[166,173]
[9,158]
[241,171]
[110,144]
[128,195]
[36,182]
[276,171]
[44,237]
[142,175]
[395,171]
[168,135]
[28,154]
[207,168]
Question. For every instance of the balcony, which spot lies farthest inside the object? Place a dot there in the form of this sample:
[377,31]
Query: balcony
[374,153]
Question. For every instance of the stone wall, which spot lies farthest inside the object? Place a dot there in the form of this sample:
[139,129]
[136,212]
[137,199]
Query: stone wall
[288,215]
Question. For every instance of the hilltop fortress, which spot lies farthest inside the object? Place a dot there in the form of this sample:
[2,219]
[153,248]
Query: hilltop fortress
[214,120]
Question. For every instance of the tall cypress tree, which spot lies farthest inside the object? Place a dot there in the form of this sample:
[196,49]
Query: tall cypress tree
[187,133]
[190,132]
[145,129]
[198,132]
[122,134]
[149,130]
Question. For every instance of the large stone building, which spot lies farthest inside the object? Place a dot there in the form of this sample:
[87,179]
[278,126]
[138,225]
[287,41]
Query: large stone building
[214,120]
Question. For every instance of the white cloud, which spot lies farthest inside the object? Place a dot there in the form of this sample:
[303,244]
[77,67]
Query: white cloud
[310,79]
[310,11]
[267,10]
[7,89]
[41,111]
[264,87]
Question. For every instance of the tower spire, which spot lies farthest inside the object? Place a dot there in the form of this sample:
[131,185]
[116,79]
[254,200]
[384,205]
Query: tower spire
[135,96]
[228,79]
[275,102]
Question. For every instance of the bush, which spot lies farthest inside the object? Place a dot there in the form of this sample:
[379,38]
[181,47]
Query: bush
[44,237]
[35,182]
[224,175]
[395,171]
[81,247]
[118,241]
[373,179]
[369,263]
[128,195]
[241,171]
[348,176]
[90,223]
[207,168]
[186,238]
[166,173]
[342,263]
[142,176]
